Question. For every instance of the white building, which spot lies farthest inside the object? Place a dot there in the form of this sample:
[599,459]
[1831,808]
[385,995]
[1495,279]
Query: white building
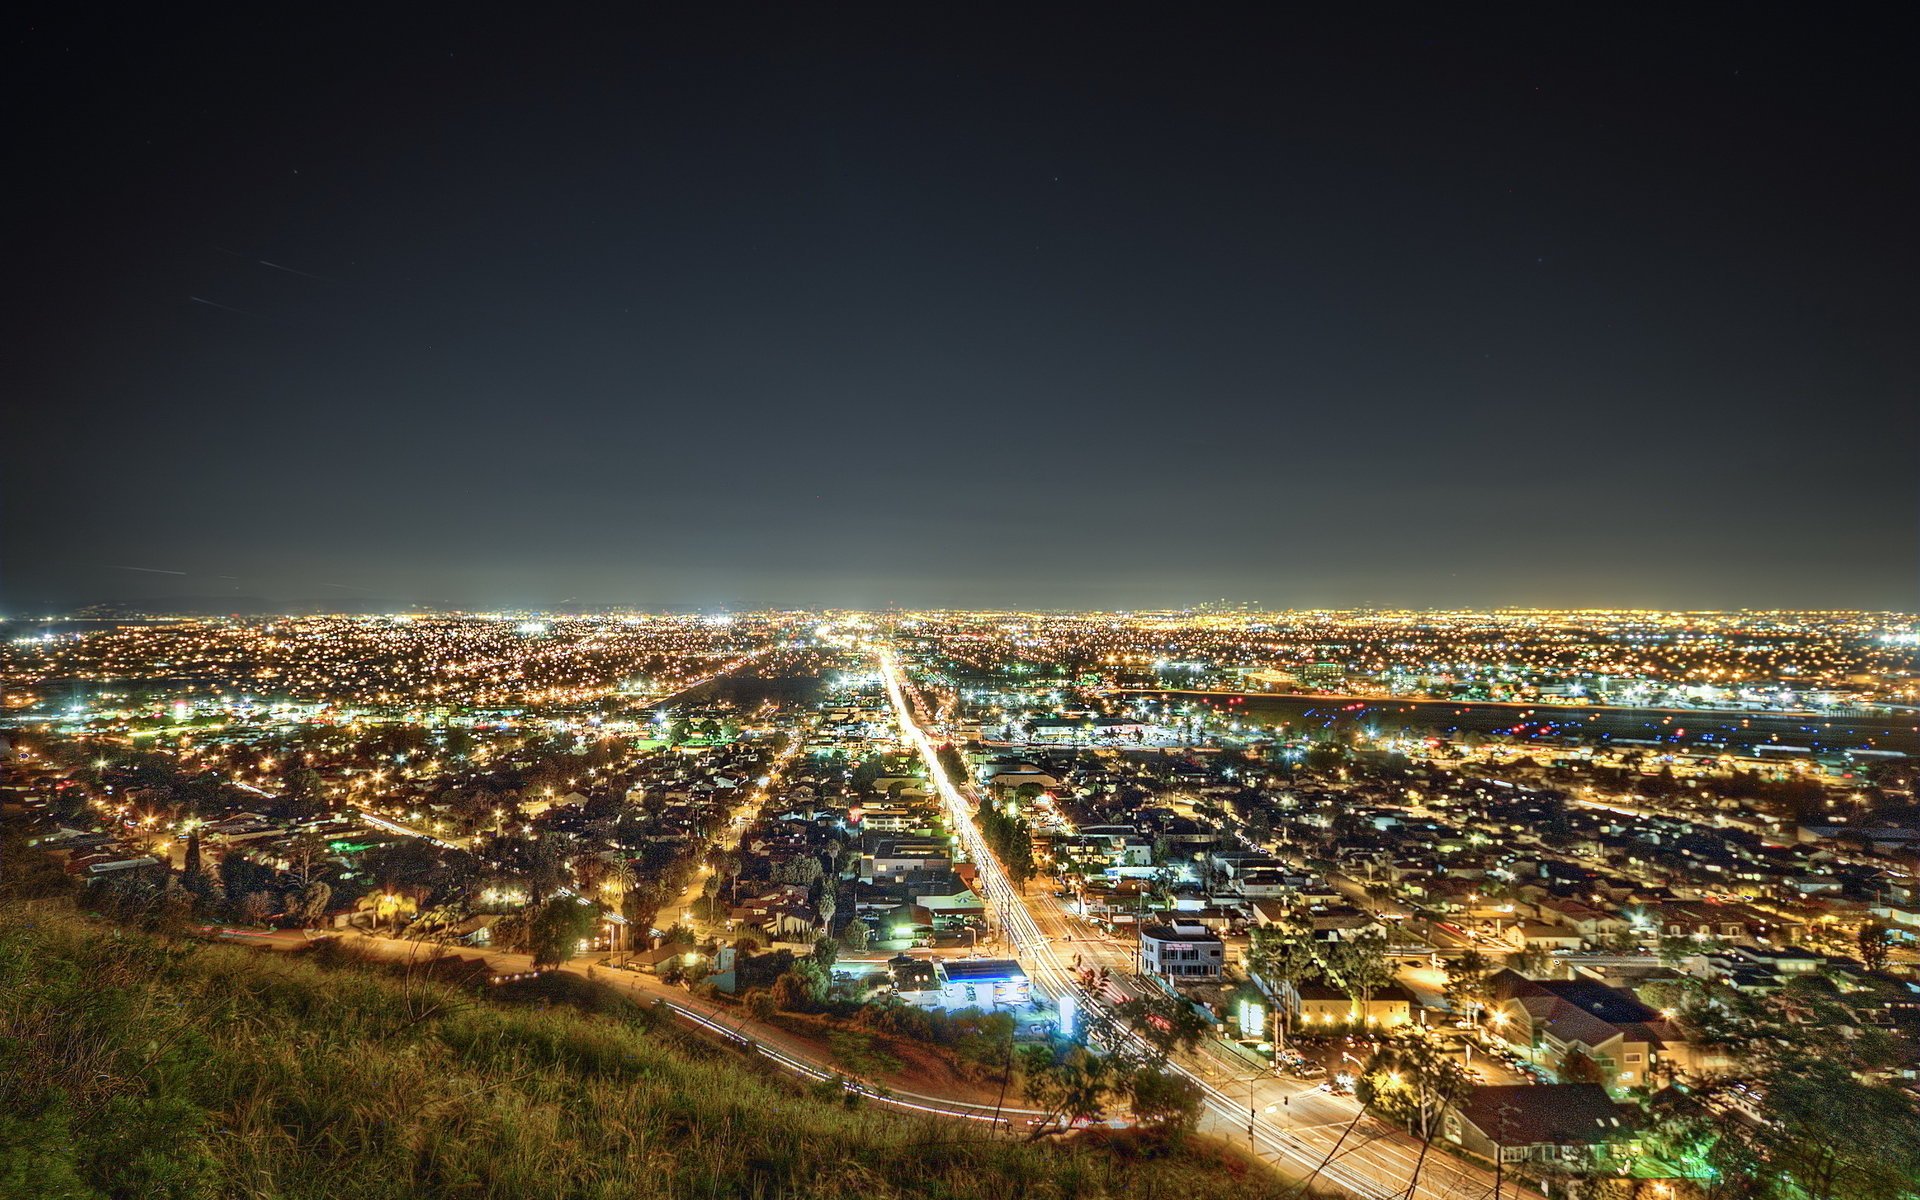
[1183,952]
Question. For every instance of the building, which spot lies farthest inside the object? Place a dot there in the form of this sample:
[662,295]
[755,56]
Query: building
[988,984]
[1081,730]
[893,859]
[1320,1003]
[1558,1022]
[1567,1124]
[1183,952]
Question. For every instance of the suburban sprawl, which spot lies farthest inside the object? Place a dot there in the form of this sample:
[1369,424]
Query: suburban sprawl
[1421,905]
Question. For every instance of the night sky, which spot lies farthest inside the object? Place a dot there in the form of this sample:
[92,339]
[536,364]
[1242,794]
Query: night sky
[960,306]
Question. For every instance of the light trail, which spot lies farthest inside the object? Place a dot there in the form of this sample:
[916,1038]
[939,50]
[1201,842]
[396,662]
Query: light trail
[944,1108]
[1057,980]
[404,830]
[1386,1164]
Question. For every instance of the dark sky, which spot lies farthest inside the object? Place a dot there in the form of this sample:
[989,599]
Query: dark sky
[961,306]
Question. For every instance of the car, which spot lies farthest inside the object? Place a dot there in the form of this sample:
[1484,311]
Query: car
[1308,1070]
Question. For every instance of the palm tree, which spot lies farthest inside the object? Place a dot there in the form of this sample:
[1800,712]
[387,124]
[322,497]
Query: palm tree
[828,905]
[616,880]
[589,870]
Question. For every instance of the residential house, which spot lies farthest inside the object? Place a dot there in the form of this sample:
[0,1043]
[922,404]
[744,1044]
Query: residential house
[1560,1022]
[1571,1125]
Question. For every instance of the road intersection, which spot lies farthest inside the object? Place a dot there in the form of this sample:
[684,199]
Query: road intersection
[1297,1126]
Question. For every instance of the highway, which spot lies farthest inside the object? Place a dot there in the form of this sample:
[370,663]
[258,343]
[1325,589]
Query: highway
[1284,1121]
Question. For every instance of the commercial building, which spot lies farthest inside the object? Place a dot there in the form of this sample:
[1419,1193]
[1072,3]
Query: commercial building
[1183,952]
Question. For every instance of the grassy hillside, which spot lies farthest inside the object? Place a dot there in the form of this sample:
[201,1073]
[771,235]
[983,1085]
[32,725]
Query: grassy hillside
[132,1066]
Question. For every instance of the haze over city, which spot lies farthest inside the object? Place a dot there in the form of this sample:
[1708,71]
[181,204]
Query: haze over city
[700,310]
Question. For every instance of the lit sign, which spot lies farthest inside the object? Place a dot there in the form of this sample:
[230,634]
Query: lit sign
[1253,1018]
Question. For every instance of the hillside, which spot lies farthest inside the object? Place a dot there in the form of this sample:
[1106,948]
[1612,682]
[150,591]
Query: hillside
[134,1066]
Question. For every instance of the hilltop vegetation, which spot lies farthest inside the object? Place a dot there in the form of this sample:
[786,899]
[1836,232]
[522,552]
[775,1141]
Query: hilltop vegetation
[132,1065]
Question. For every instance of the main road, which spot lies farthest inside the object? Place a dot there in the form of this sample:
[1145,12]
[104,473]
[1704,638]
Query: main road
[1296,1126]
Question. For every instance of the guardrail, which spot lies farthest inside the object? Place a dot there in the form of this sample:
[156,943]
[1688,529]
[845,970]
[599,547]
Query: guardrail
[955,1108]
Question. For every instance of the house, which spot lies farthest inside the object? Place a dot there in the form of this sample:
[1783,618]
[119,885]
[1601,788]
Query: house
[1559,1022]
[1538,935]
[101,863]
[1589,922]
[1080,730]
[1344,923]
[1183,952]
[1568,1124]
[783,912]
[1704,920]
[656,959]
[1319,1002]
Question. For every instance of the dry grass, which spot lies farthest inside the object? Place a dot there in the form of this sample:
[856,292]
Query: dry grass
[132,1066]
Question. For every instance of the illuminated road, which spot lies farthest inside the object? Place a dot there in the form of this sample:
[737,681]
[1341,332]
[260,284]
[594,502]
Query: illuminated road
[1285,1121]
[738,822]
[405,830]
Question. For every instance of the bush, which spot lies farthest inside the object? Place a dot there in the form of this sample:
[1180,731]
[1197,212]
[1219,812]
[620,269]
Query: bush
[802,989]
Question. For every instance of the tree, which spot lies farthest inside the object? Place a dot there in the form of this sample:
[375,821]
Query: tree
[1828,1134]
[1531,962]
[1361,967]
[239,876]
[547,867]
[1577,1066]
[301,794]
[193,870]
[1165,1101]
[1414,1081]
[255,907]
[314,900]
[759,1004]
[801,987]
[1467,983]
[1018,860]
[617,879]
[558,928]
[858,936]
[1166,1023]
[1875,941]
[1282,957]
[304,853]
[1068,1085]
[828,904]
[1828,1129]
[176,909]
[802,869]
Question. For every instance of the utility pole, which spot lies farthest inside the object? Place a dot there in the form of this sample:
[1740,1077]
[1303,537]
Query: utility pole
[1500,1149]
